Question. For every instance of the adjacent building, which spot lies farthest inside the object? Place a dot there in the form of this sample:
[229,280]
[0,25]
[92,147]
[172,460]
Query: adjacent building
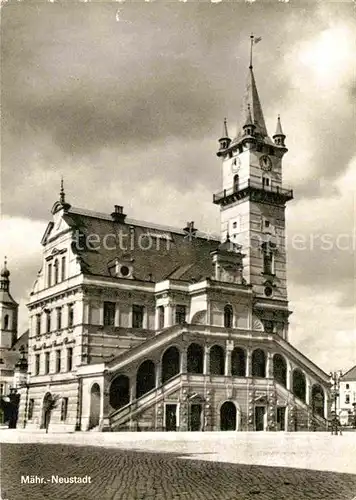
[347,397]
[139,326]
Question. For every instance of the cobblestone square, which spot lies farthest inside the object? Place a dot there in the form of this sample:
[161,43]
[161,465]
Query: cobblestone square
[172,467]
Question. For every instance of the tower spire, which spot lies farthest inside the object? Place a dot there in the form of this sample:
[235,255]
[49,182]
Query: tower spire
[279,136]
[4,277]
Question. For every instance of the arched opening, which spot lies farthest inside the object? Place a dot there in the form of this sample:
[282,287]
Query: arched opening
[170,363]
[119,394]
[195,358]
[6,322]
[318,400]
[236,183]
[46,411]
[228,316]
[217,360]
[258,363]
[299,384]
[238,362]
[94,415]
[228,416]
[145,378]
[280,369]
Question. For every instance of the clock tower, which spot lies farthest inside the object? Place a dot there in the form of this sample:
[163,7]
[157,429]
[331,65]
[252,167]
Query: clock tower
[252,202]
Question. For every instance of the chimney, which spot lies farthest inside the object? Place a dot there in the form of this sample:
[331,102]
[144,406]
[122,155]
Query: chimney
[190,229]
[118,214]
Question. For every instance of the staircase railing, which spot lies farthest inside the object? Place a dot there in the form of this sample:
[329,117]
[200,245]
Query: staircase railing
[130,410]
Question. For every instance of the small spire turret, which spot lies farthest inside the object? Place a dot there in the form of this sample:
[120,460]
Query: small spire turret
[249,127]
[225,140]
[279,136]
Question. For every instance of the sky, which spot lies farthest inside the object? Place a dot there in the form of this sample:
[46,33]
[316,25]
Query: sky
[126,100]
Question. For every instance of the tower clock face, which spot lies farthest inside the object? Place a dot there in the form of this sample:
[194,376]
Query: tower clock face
[266,163]
[235,165]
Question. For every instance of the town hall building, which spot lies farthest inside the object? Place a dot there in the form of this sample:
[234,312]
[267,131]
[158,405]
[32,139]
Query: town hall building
[138,326]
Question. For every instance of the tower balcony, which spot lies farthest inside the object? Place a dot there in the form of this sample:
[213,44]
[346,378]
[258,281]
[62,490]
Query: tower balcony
[255,191]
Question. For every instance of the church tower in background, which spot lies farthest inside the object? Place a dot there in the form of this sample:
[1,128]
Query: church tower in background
[253,201]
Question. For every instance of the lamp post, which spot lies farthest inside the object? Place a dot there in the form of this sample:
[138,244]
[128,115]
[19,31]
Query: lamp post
[335,392]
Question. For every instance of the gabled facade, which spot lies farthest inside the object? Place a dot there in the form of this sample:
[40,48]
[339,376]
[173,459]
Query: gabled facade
[139,326]
[347,398]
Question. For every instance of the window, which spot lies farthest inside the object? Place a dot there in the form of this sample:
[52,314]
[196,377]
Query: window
[38,324]
[59,318]
[31,405]
[181,312]
[228,315]
[234,225]
[48,321]
[137,316]
[6,321]
[160,317]
[1,389]
[49,275]
[267,262]
[236,182]
[265,182]
[64,409]
[267,223]
[109,313]
[37,364]
[347,399]
[58,361]
[63,269]
[70,315]
[69,359]
[47,362]
[347,386]
[56,271]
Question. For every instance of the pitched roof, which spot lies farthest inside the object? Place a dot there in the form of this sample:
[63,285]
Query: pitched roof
[350,375]
[154,251]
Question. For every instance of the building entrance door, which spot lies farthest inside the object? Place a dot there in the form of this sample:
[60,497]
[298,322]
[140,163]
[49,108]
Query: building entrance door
[171,417]
[259,417]
[281,418]
[195,417]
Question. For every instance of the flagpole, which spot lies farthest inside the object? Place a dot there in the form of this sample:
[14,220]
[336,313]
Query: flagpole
[251,43]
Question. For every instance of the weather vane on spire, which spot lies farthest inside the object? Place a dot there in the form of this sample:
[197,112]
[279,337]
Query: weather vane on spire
[62,193]
[253,41]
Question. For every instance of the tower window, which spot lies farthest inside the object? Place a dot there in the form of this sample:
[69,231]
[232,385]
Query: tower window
[137,316]
[63,269]
[228,316]
[347,386]
[236,183]
[267,223]
[347,399]
[109,313]
[37,364]
[69,359]
[6,322]
[47,360]
[38,324]
[265,182]
[181,312]
[268,262]
[56,271]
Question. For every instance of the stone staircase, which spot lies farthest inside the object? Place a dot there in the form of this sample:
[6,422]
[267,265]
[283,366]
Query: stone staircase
[123,417]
